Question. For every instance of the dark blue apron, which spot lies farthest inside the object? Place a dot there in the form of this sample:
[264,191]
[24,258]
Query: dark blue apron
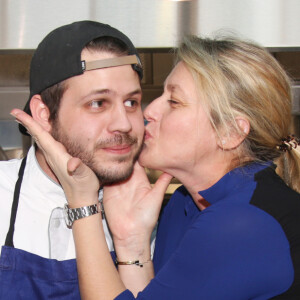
[24,275]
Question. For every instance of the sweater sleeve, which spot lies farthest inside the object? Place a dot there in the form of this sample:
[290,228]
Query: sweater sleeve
[230,252]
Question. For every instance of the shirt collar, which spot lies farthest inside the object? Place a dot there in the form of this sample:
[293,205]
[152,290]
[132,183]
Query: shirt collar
[233,180]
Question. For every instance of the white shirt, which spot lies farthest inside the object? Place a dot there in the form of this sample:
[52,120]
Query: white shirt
[40,227]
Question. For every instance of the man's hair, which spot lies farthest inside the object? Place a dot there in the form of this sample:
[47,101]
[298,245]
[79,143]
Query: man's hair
[52,95]
[239,78]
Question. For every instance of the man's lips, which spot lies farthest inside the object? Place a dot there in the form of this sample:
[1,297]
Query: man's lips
[117,149]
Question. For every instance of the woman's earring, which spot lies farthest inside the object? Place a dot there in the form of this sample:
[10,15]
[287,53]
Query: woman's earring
[223,142]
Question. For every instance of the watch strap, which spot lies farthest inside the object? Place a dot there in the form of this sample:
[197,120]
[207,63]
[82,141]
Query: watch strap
[73,214]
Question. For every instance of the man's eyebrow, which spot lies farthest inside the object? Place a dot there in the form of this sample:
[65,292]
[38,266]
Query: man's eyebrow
[111,92]
[99,91]
[133,93]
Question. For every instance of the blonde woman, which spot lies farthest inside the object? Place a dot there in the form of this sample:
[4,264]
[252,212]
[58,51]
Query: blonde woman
[232,231]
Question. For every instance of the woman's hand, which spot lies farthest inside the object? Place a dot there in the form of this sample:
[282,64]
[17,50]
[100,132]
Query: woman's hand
[132,208]
[79,182]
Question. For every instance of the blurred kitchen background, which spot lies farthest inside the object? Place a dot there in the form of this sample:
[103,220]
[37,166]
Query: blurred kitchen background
[154,26]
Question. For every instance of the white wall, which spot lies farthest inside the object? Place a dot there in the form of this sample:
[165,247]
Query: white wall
[153,23]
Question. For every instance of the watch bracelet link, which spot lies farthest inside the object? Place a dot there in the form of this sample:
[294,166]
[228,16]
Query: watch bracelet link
[73,214]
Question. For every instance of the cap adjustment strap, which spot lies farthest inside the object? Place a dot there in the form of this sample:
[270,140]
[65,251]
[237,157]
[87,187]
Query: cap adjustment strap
[110,62]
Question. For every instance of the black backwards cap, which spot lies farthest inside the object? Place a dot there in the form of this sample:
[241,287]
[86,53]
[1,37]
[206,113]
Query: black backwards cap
[58,56]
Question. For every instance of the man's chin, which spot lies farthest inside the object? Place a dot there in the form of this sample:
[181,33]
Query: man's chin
[115,170]
[113,177]
[113,174]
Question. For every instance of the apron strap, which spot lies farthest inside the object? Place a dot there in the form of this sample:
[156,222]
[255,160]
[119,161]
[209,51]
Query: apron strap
[14,207]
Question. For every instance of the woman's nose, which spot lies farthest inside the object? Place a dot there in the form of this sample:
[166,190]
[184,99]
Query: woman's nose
[151,112]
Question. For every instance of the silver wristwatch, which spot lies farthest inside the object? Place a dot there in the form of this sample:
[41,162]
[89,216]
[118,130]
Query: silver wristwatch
[73,214]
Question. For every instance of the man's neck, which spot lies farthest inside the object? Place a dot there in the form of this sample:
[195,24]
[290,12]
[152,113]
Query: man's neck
[44,165]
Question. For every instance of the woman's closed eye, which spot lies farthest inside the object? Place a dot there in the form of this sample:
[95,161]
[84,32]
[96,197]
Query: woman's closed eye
[173,102]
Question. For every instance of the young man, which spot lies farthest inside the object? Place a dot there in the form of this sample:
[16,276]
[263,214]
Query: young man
[84,90]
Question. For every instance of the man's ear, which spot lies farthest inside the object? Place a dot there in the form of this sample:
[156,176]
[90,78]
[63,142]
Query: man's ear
[40,112]
[235,137]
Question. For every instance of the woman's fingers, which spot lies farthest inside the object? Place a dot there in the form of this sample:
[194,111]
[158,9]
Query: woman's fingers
[161,184]
[42,138]
[75,166]
[33,128]
[53,151]
[82,173]
[75,177]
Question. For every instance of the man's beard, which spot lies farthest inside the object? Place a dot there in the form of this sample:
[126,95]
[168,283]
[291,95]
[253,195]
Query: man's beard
[105,175]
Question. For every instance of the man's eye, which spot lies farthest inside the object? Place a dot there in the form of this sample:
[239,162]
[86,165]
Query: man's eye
[130,103]
[96,104]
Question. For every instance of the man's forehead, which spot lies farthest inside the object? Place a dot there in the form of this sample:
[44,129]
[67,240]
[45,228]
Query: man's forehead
[121,82]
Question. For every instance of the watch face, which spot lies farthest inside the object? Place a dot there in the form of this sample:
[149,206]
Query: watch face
[67,217]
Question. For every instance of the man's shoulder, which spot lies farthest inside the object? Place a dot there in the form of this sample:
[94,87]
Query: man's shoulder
[14,161]
[9,171]
[8,177]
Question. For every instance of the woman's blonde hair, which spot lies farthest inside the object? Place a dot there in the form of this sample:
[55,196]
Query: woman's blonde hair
[237,78]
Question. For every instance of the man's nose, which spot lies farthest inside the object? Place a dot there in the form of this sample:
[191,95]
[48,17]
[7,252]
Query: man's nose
[119,120]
